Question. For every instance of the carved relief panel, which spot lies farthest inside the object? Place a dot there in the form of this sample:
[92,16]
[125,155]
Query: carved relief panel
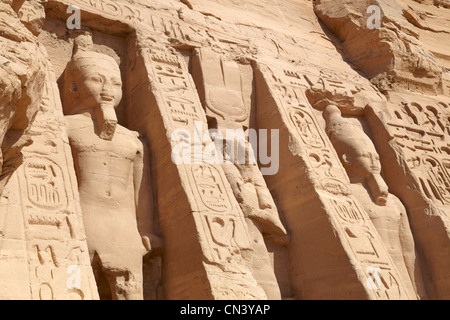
[420,130]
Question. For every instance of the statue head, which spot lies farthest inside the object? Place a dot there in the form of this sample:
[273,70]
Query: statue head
[360,157]
[92,82]
[356,151]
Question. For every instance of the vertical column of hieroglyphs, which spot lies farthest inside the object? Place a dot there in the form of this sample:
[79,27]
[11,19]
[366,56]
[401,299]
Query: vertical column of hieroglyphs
[414,137]
[58,259]
[334,246]
[204,229]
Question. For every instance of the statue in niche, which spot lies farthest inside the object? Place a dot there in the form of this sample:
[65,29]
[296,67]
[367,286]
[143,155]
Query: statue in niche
[221,90]
[110,160]
[388,214]
[22,73]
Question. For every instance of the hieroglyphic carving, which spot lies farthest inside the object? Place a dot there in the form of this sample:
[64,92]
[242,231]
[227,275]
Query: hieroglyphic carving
[225,87]
[45,265]
[307,129]
[334,186]
[365,244]
[421,130]
[174,83]
[438,180]
[228,239]
[362,163]
[111,9]
[211,188]
[414,130]
[324,86]
[45,184]
[181,33]
[346,210]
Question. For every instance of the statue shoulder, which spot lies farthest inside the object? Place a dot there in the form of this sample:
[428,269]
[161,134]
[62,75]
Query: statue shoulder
[127,132]
[77,122]
[394,200]
[133,136]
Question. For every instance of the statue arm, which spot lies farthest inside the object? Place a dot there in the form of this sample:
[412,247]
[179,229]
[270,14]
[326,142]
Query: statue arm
[266,214]
[409,251]
[145,213]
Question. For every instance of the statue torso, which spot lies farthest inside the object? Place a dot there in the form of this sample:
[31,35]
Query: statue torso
[104,168]
[386,219]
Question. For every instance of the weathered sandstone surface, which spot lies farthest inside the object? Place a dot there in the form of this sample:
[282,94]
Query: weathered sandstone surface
[224,149]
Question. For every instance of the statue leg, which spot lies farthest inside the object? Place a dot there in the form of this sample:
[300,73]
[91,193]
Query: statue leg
[101,280]
[263,271]
[126,283]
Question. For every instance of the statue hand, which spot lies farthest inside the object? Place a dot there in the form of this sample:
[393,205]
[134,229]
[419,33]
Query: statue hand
[147,244]
[271,226]
[265,204]
[279,239]
[153,244]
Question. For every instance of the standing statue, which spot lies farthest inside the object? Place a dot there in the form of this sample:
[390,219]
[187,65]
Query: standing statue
[22,75]
[361,160]
[110,160]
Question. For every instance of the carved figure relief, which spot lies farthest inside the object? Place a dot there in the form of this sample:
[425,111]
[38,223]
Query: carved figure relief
[224,241]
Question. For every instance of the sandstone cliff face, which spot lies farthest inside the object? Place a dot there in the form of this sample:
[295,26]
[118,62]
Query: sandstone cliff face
[22,81]
[224,149]
[396,54]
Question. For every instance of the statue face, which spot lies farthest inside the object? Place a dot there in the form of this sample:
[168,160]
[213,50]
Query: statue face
[98,82]
[363,162]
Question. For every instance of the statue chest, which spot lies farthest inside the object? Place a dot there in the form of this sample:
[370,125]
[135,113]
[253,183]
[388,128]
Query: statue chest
[85,141]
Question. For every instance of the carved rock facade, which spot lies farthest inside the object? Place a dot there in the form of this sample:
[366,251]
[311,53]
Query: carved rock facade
[222,149]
